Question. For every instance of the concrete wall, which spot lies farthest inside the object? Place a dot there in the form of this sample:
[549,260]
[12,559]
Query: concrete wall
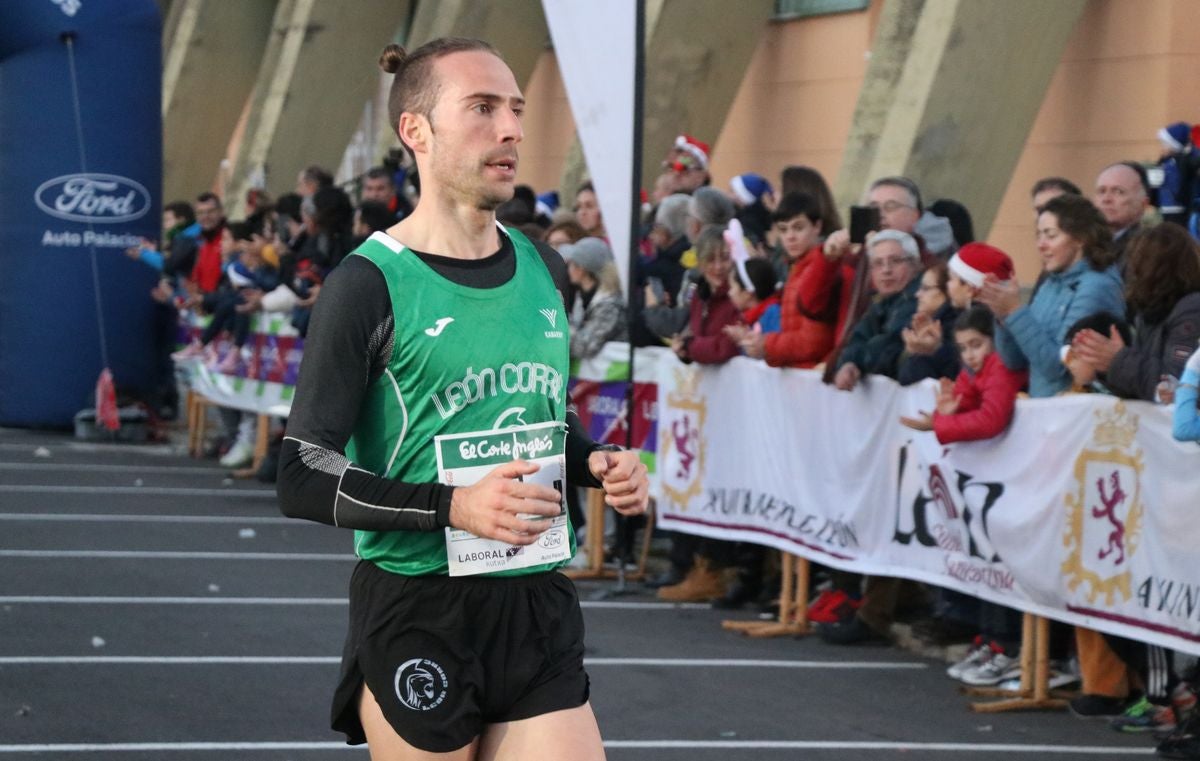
[1130,68]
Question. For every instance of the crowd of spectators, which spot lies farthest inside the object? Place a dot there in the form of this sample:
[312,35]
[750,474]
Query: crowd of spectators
[777,277]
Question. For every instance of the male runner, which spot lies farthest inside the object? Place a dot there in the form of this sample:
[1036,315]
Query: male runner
[423,370]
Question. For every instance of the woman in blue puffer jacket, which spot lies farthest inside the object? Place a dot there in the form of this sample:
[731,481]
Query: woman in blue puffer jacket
[1076,248]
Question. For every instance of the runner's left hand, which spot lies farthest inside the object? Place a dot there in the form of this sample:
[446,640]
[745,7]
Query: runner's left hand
[624,480]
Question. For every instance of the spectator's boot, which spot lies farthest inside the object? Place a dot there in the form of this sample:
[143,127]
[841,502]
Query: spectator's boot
[703,583]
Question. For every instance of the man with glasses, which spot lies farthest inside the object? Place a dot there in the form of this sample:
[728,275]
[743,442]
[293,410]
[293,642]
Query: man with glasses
[899,202]
[874,346]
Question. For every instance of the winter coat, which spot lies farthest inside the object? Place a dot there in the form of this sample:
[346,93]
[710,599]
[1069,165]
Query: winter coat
[806,336]
[708,343]
[1032,336]
[766,315]
[828,283]
[666,265]
[1158,349]
[988,400]
[875,344]
[944,362]
[601,321]
[1187,419]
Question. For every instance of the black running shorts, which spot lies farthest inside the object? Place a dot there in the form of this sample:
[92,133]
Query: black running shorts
[445,656]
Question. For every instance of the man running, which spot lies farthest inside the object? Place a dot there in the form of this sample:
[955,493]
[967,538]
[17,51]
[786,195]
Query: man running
[430,416]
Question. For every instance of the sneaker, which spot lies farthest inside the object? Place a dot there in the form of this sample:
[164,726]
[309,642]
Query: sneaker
[1059,679]
[1097,706]
[992,671]
[1144,716]
[194,350]
[1184,742]
[1183,700]
[239,455]
[229,364]
[831,606]
[976,655]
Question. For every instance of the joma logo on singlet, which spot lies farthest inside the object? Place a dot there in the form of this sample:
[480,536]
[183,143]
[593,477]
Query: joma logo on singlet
[521,378]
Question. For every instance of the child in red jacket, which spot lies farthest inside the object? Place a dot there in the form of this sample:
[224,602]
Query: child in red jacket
[980,404]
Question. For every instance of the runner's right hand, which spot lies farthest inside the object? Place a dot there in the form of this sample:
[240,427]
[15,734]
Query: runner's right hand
[490,507]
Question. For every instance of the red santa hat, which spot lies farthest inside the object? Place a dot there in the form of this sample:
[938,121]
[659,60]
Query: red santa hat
[975,261]
[693,146]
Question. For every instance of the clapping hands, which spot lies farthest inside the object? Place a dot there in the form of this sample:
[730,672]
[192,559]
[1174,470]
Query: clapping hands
[923,336]
[946,402]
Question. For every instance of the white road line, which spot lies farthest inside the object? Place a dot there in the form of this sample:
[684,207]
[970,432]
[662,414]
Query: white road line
[160,450]
[1086,750]
[266,660]
[139,491]
[139,600]
[54,467]
[127,518]
[752,663]
[148,555]
[114,600]
[163,747]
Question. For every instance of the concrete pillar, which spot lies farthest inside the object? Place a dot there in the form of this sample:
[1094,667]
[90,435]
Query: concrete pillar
[697,52]
[889,53]
[318,72]
[517,28]
[973,78]
[211,50]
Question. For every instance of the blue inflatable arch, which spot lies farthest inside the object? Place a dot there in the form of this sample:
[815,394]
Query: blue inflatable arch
[74,191]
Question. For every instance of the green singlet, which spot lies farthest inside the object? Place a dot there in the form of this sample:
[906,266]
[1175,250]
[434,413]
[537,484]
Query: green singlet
[463,360]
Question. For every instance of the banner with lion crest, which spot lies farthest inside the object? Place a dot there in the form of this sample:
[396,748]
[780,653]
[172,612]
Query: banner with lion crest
[1085,510]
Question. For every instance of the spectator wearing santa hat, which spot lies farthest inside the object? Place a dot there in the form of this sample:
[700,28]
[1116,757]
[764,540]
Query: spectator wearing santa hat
[686,165]
[930,348]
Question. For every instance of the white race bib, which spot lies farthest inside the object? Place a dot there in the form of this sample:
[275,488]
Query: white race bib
[464,459]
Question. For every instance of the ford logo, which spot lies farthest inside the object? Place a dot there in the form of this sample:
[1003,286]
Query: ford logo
[93,198]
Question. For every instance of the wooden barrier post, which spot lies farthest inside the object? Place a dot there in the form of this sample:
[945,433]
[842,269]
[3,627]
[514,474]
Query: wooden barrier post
[793,605]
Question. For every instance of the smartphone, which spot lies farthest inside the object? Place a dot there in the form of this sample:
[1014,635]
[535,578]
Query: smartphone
[863,220]
[656,286]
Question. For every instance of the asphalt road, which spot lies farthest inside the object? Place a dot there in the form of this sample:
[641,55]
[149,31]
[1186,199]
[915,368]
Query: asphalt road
[152,609]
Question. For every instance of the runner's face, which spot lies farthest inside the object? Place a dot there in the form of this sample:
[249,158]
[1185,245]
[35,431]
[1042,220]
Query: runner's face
[476,126]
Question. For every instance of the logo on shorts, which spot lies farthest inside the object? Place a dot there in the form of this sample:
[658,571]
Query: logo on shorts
[421,685]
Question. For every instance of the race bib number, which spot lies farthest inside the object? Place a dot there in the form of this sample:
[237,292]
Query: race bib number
[464,459]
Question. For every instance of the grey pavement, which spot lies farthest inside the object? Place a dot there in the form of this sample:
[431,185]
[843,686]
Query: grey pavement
[153,609]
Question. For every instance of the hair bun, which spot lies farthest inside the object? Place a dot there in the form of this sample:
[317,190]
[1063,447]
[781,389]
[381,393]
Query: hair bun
[392,58]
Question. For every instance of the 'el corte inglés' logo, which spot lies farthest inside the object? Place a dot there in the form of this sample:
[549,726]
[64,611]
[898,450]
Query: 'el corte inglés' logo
[1104,518]
[102,198]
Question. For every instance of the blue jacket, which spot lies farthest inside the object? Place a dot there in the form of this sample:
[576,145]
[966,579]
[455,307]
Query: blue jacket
[1187,421]
[1032,336]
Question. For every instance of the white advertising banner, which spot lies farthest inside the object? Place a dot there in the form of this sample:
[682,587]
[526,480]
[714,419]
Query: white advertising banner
[1085,510]
[594,44]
